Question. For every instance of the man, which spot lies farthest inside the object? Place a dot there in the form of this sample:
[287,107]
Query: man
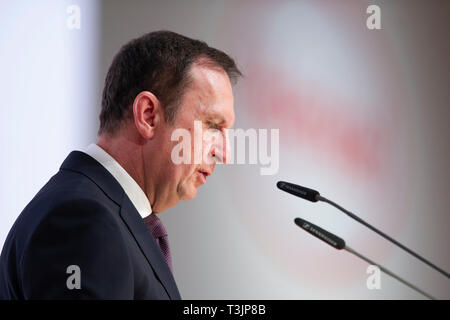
[92,231]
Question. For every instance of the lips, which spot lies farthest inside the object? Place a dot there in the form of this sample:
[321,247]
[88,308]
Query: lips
[203,174]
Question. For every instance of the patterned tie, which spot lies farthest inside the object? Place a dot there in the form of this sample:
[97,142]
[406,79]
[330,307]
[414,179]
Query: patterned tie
[160,234]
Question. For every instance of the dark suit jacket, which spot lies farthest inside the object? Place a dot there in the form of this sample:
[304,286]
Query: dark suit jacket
[83,217]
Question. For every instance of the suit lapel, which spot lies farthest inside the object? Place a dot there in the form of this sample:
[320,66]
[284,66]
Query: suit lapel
[82,163]
[148,245]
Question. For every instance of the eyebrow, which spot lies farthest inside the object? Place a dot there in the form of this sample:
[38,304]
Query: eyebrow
[217,118]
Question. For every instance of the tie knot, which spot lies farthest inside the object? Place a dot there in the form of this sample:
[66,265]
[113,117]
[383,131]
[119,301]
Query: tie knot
[155,225]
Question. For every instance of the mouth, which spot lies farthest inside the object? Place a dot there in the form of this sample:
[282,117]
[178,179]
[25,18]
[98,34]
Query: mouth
[203,174]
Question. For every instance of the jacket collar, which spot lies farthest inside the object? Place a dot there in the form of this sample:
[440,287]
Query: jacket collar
[80,162]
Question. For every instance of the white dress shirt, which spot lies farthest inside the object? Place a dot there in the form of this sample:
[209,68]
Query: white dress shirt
[129,185]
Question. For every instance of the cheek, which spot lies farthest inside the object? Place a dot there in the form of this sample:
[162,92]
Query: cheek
[183,173]
[187,183]
[189,171]
[175,173]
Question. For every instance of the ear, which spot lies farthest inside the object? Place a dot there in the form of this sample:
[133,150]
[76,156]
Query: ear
[147,112]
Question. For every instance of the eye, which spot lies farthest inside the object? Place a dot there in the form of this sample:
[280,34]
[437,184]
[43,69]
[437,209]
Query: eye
[213,125]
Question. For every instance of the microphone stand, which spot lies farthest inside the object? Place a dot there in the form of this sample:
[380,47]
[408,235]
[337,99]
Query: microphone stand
[355,217]
[339,244]
[314,196]
[393,275]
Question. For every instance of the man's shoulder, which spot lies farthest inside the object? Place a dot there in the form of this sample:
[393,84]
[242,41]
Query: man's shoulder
[67,194]
[69,203]
[70,218]
[68,187]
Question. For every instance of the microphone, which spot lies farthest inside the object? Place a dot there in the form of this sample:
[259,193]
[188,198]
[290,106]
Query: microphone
[299,191]
[314,196]
[339,244]
[320,233]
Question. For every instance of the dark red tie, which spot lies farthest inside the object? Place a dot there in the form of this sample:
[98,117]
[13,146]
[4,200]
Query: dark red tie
[160,234]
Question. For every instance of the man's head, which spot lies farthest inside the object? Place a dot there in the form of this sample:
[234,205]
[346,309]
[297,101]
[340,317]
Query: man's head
[156,84]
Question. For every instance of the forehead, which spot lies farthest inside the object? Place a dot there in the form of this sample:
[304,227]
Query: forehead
[209,95]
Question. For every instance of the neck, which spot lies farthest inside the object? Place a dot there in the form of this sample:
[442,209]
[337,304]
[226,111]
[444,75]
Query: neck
[129,154]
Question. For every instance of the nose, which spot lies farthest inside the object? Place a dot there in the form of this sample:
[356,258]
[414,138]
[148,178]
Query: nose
[220,149]
[217,155]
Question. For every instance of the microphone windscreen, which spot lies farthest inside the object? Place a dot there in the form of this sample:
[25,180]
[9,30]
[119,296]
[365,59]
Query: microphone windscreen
[299,191]
[320,233]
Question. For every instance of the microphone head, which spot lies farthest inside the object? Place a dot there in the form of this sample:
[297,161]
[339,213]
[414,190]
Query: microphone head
[299,191]
[320,233]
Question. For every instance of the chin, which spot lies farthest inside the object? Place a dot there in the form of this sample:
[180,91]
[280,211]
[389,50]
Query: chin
[189,194]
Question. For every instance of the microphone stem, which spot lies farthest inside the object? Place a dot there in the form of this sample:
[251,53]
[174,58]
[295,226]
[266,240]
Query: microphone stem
[351,215]
[389,273]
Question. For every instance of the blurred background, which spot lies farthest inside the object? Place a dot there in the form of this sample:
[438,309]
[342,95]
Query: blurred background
[362,117]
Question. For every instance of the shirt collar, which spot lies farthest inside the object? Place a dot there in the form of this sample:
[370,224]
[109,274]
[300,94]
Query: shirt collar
[129,185]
